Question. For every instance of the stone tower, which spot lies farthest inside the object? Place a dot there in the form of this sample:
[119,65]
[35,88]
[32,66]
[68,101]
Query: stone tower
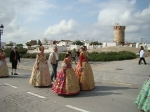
[119,34]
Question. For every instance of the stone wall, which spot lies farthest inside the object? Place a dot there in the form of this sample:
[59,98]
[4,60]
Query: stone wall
[119,35]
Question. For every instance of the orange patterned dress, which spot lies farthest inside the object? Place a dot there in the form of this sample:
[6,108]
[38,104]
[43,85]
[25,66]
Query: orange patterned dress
[85,76]
[66,82]
[41,76]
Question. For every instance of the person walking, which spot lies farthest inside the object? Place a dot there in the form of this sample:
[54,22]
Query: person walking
[73,53]
[66,82]
[84,71]
[40,74]
[14,58]
[3,65]
[53,59]
[142,55]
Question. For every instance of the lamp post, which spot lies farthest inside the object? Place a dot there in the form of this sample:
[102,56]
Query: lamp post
[1,32]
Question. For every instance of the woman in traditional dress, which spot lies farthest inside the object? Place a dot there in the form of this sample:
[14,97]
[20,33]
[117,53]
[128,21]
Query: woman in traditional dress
[40,74]
[84,71]
[3,65]
[143,99]
[66,82]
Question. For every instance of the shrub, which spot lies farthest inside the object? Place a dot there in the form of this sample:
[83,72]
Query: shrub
[61,56]
[22,51]
[94,56]
[111,56]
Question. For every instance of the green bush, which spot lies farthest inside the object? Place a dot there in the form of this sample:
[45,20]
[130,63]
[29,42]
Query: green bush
[94,56]
[111,56]
[22,51]
[61,56]
[7,52]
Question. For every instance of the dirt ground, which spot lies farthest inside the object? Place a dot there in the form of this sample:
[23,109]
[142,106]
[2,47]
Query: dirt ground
[119,48]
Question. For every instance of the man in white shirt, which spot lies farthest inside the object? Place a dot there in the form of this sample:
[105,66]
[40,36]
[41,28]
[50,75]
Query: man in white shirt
[142,55]
[54,58]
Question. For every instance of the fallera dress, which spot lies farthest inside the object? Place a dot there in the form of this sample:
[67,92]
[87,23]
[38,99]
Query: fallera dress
[86,78]
[41,76]
[66,82]
[143,99]
[3,66]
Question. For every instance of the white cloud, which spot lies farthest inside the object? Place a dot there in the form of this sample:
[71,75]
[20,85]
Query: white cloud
[124,13]
[63,27]
[28,10]
[33,9]
[13,32]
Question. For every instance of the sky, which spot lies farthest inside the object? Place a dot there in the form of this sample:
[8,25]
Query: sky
[25,20]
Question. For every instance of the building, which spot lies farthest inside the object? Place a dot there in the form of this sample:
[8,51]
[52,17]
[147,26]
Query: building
[65,43]
[3,44]
[44,41]
[119,34]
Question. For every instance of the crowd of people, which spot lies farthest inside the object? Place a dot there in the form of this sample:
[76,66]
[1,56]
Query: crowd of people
[68,80]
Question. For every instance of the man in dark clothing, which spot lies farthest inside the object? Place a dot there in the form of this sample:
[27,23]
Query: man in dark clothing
[14,58]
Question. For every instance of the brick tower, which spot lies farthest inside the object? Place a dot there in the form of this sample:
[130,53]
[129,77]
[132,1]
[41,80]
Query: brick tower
[119,34]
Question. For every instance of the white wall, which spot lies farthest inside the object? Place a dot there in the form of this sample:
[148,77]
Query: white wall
[106,44]
[111,44]
[49,50]
[74,46]
[148,46]
[64,43]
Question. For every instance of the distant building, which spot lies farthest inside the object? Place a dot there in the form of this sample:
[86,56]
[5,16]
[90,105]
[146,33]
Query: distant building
[65,43]
[119,34]
[3,44]
[44,41]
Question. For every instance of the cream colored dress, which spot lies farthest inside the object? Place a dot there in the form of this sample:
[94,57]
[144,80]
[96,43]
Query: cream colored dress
[41,76]
[85,76]
[3,66]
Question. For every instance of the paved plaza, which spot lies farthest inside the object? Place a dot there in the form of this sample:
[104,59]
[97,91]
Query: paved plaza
[117,85]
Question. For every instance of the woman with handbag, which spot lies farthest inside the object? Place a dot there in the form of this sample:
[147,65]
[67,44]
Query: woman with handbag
[3,65]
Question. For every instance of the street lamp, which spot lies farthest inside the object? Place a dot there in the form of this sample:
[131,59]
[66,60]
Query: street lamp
[1,32]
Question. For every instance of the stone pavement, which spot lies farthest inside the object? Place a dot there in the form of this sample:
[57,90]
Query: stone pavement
[126,71]
[22,102]
[117,84]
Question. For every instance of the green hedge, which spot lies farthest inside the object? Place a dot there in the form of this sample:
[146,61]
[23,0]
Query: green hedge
[21,51]
[107,56]
[111,56]
[94,56]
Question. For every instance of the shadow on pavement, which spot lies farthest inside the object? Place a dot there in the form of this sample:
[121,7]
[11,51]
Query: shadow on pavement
[99,91]
[19,76]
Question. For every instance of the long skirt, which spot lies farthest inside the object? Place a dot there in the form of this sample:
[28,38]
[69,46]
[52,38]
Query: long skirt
[3,69]
[143,99]
[40,77]
[85,77]
[66,84]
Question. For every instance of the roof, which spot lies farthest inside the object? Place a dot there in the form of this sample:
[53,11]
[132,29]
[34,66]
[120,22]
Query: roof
[66,40]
